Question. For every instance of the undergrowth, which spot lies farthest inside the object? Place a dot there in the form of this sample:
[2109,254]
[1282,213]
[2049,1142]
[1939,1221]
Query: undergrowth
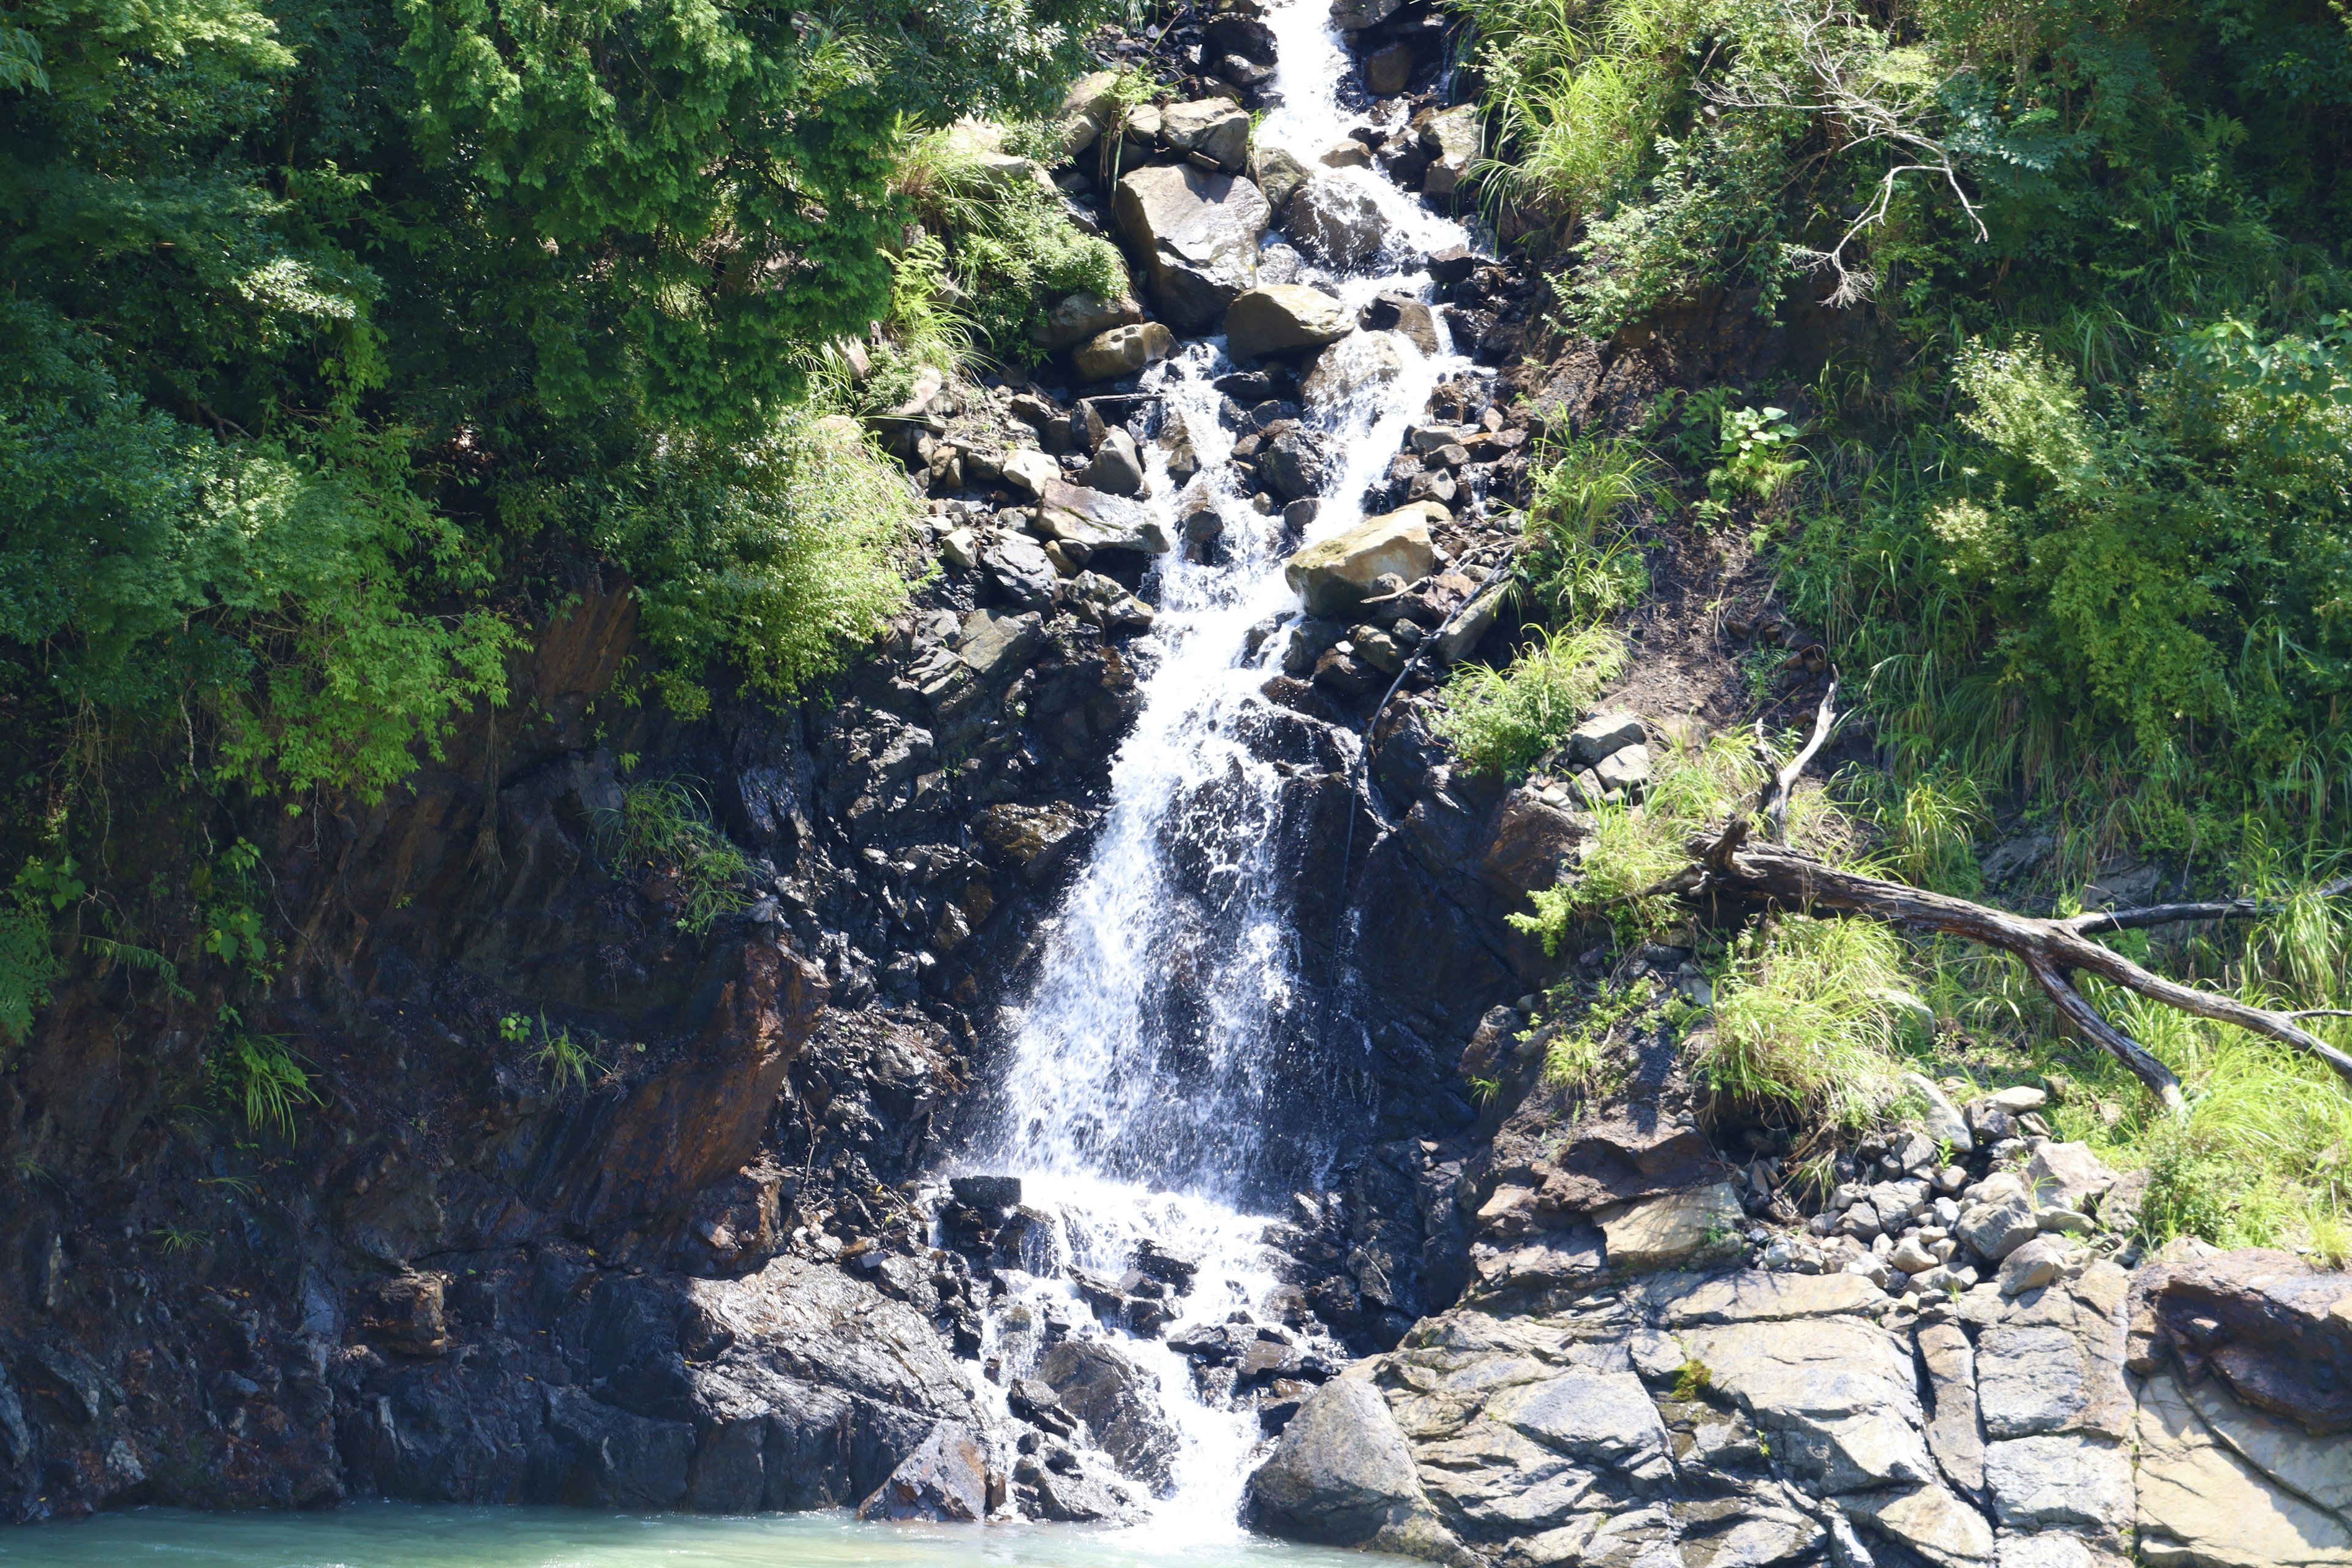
[662,827]
[1503,720]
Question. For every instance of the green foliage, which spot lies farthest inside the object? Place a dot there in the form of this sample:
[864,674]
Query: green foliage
[661,827]
[1692,1380]
[780,555]
[1757,454]
[1014,250]
[1580,562]
[262,1077]
[1808,1016]
[1501,722]
[569,1064]
[1575,1057]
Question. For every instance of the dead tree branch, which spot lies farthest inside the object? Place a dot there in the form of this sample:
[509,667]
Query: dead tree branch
[1727,865]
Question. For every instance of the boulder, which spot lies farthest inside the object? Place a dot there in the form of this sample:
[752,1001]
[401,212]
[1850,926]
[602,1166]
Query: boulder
[1838,1397]
[1997,1226]
[1675,1230]
[1405,314]
[1336,574]
[1279,175]
[2067,1176]
[1074,318]
[1386,70]
[1341,1475]
[1603,735]
[1941,1121]
[1335,219]
[1034,839]
[1217,128]
[2059,1480]
[1196,233]
[1626,770]
[1270,318]
[945,1479]
[1355,367]
[986,1191]
[1029,470]
[1237,33]
[1021,570]
[1355,15]
[1122,351]
[1292,466]
[1117,1402]
[1451,139]
[1118,467]
[1079,514]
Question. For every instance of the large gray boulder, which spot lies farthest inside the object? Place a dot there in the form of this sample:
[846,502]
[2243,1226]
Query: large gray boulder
[1217,128]
[1116,1399]
[1336,574]
[1357,366]
[1269,318]
[1074,318]
[1122,351]
[1341,1476]
[1334,220]
[1194,233]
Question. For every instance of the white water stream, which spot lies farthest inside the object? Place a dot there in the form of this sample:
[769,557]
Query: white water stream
[1157,1079]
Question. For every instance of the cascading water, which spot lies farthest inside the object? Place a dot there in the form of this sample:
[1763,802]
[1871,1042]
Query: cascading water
[1173,1065]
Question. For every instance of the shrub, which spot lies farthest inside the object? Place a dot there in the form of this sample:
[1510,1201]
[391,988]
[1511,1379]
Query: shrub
[1501,722]
[780,555]
[1578,562]
[262,1077]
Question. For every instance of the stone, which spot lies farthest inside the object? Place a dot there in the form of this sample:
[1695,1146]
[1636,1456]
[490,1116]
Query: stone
[1386,70]
[1603,734]
[1342,1474]
[1215,128]
[1356,365]
[1117,467]
[960,547]
[1029,471]
[1941,1121]
[1673,1230]
[1334,575]
[1094,96]
[986,1191]
[2067,1176]
[1336,220]
[1074,318]
[2064,1222]
[1118,1402]
[1196,233]
[1292,466]
[2059,1480]
[2030,1268]
[1954,1434]
[1451,138]
[1627,769]
[1755,1296]
[1034,838]
[2052,1549]
[2018,1099]
[1403,313]
[1994,1229]
[2278,1333]
[1272,317]
[1912,1257]
[1347,154]
[1122,351]
[1838,1397]
[995,644]
[1601,1418]
[1079,514]
[1239,33]
[1279,175]
[945,1479]
[1928,1520]
[2200,1501]
[1355,15]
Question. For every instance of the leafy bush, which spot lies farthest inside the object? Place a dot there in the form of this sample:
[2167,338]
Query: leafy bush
[261,1076]
[662,827]
[781,556]
[1501,722]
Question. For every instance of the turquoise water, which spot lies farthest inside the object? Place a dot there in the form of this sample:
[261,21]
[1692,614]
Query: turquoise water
[398,1535]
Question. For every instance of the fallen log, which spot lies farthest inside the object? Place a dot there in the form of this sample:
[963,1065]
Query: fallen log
[1726,866]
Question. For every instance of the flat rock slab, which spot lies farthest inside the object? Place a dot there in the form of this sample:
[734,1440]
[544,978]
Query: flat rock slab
[1752,1296]
[2201,1503]
[1673,1230]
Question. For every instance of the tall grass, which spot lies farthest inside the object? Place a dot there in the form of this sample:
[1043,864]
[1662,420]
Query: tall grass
[662,826]
[1502,721]
[1579,560]
[1808,1016]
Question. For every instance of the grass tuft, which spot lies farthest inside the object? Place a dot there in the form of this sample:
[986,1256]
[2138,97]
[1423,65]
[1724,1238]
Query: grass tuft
[1502,721]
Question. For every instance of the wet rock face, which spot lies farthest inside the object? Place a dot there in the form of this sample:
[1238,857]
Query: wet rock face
[1193,235]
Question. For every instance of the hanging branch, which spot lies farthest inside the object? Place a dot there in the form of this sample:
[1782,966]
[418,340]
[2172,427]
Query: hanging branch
[1842,84]
[1726,864]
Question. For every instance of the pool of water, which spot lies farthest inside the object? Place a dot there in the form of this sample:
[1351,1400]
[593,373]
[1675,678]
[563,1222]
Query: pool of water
[399,1536]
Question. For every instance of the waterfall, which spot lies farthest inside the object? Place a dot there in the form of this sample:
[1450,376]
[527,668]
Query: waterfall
[1172,1064]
